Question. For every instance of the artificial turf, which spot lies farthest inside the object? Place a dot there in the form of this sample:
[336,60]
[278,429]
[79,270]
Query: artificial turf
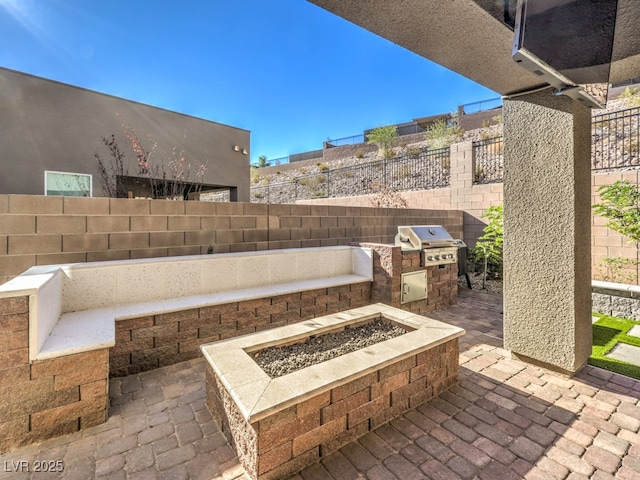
[607,332]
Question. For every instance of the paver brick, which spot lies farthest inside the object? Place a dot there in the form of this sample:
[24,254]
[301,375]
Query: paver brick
[602,459]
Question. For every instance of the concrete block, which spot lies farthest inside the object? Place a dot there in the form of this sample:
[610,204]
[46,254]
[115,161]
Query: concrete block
[346,221]
[200,208]
[328,222]
[57,258]
[274,221]
[32,244]
[262,222]
[290,222]
[231,208]
[61,224]
[279,209]
[149,253]
[254,209]
[128,240]
[300,233]
[203,238]
[166,239]
[13,265]
[3,244]
[214,223]
[321,210]
[85,242]
[278,245]
[242,222]
[166,207]
[229,236]
[107,223]
[184,222]
[318,233]
[256,235]
[242,247]
[129,206]
[185,250]
[17,224]
[4,204]
[310,222]
[149,223]
[337,211]
[107,255]
[34,204]
[85,206]
[279,234]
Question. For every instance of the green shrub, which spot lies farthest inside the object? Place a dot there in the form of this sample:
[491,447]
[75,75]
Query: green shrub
[359,154]
[323,167]
[413,152]
[631,97]
[384,138]
[443,133]
[487,254]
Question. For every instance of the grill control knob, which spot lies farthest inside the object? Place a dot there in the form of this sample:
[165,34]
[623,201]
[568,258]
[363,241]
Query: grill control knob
[430,258]
[437,257]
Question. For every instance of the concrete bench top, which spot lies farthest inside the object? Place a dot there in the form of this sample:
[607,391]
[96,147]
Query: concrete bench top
[73,308]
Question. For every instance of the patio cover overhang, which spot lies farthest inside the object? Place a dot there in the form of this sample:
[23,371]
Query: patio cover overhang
[471,37]
[547,151]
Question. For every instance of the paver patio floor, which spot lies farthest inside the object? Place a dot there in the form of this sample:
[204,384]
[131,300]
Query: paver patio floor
[505,420]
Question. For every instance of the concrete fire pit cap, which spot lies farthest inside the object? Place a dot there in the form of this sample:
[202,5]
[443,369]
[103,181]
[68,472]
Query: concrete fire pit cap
[257,395]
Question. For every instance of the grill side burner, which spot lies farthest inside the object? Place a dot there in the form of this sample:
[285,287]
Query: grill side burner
[436,245]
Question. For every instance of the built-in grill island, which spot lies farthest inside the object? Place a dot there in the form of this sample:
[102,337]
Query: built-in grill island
[436,247]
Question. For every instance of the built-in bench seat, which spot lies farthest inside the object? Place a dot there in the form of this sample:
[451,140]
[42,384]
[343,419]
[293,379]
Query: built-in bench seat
[73,308]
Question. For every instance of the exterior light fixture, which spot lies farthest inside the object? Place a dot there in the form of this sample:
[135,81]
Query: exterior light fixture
[244,151]
[236,148]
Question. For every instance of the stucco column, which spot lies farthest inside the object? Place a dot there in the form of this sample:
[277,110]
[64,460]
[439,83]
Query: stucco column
[547,243]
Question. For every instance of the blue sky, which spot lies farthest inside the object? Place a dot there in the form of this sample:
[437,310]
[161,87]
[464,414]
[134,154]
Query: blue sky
[288,71]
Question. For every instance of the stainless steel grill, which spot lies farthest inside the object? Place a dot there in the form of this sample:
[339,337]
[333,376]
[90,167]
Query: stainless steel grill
[437,247]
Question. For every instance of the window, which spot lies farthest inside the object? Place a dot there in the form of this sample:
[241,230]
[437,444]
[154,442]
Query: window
[68,184]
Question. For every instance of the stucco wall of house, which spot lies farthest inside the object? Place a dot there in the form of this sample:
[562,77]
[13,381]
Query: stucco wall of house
[47,125]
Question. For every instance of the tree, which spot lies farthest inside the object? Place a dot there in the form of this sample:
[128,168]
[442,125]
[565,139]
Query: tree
[111,170]
[262,161]
[488,249]
[620,204]
[384,138]
[167,175]
[443,132]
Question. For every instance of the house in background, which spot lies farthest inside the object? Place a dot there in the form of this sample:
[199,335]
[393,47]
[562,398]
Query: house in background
[50,132]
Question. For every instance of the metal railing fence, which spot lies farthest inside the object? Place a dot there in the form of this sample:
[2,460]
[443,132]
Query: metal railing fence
[615,144]
[421,170]
[488,160]
[616,140]
[340,142]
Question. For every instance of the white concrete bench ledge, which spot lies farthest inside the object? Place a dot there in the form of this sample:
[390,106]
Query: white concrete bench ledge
[73,307]
[618,289]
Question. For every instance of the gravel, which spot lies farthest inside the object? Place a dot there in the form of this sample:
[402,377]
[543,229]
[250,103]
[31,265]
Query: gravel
[279,361]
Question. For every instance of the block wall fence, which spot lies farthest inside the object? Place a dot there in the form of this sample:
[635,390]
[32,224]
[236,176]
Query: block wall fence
[39,230]
[473,199]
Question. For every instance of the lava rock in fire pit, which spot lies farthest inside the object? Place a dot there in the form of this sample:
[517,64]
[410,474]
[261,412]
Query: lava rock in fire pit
[279,361]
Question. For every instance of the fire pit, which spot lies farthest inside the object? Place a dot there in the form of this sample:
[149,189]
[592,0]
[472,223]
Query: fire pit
[280,425]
